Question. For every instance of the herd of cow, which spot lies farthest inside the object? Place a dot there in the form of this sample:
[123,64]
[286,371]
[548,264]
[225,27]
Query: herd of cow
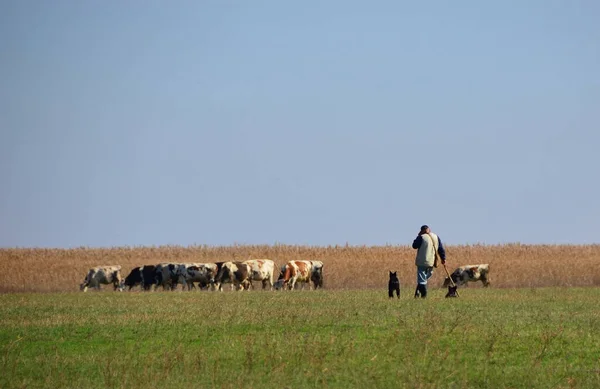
[209,275]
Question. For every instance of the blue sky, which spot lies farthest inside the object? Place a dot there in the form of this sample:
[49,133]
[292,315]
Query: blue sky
[221,122]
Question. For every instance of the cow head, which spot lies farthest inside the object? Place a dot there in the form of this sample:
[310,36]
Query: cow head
[278,284]
[282,281]
[223,275]
[317,278]
[120,286]
[456,275]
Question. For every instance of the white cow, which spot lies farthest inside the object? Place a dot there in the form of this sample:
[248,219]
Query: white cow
[103,275]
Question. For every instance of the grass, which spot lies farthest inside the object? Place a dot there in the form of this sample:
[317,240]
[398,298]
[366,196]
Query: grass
[487,338]
[346,267]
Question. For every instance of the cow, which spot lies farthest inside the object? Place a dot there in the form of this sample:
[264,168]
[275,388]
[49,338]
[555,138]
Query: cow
[299,271]
[167,275]
[103,275]
[236,273]
[261,270]
[145,276]
[470,273]
[134,278]
[197,272]
[149,277]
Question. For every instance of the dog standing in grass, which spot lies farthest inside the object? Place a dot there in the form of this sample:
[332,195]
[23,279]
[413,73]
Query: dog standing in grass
[393,285]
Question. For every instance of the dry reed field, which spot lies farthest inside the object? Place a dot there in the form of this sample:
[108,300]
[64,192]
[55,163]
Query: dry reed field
[345,267]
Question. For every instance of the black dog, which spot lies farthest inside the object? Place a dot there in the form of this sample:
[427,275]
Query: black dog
[393,285]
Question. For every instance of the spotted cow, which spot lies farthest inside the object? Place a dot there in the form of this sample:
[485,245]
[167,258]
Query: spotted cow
[167,275]
[302,272]
[134,278]
[201,273]
[149,277]
[236,273]
[470,273]
[103,275]
[145,276]
[261,270]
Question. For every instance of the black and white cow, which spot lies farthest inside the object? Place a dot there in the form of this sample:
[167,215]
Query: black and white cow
[202,273]
[149,277]
[470,273]
[236,273]
[103,275]
[134,278]
[167,275]
[145,276]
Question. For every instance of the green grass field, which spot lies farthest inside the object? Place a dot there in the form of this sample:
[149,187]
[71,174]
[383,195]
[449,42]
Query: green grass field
[487,338]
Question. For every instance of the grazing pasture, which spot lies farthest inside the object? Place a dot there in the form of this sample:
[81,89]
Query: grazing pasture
[345,267]
[487,338]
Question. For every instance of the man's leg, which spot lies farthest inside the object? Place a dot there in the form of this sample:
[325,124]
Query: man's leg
[423,274]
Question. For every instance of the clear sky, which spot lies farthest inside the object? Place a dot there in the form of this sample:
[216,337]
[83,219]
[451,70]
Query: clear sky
[129,123]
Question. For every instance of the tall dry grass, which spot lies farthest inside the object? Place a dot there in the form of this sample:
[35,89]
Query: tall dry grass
[346,267]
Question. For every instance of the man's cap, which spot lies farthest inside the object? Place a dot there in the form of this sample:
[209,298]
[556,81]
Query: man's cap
[424,227]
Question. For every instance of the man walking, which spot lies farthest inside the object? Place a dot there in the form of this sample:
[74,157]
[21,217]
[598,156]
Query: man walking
[426,245]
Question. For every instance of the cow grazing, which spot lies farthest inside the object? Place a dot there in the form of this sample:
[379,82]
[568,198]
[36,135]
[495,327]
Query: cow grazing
[167,275]
[145,276]
[103,275]
[295,272]
[236,273]
[201,273]
[261,270]
[134,278]
[149,277]
[470,273]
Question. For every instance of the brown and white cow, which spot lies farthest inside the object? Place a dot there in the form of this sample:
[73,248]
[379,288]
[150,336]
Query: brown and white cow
[470,273]
[103,275]
[236,273]
[302,272]
[201,273]
[261,270]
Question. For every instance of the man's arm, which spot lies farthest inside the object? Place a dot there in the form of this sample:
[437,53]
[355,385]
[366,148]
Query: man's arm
[417,242]
[441,250]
